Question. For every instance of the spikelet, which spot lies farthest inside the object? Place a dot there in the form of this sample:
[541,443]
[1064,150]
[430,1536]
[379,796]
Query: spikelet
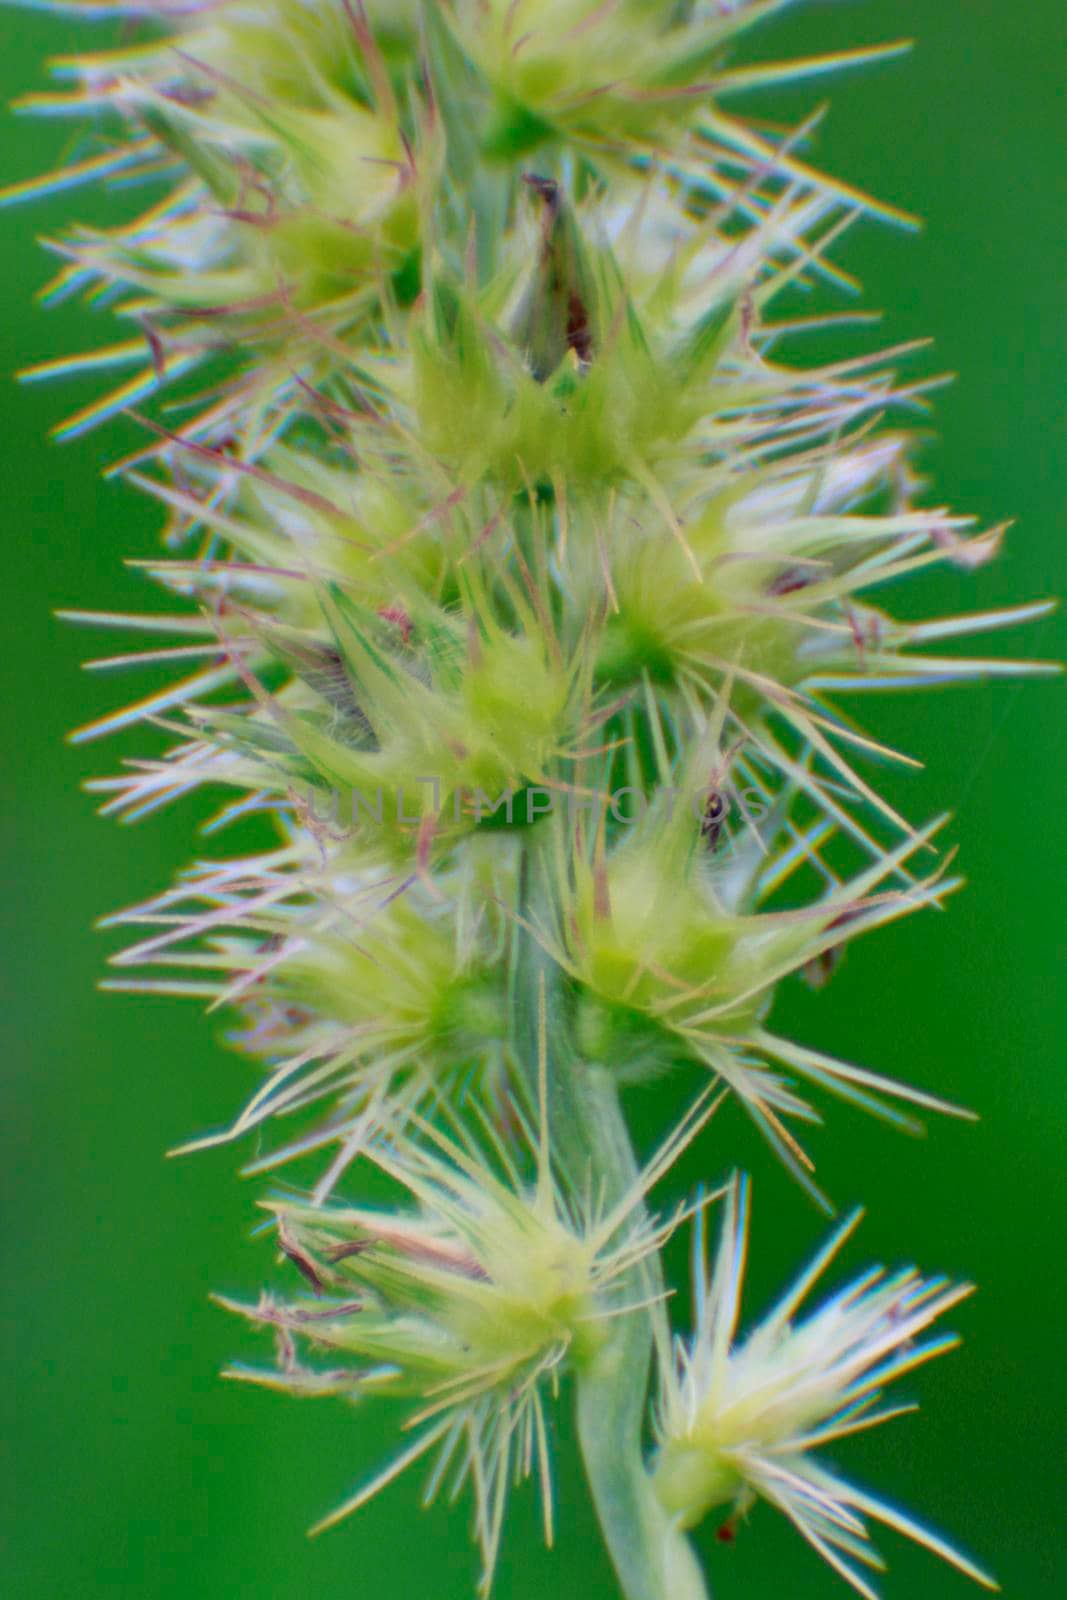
[472,1303]
[741,1418]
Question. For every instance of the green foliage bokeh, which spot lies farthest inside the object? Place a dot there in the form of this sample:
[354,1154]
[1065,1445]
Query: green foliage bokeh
[131,1468]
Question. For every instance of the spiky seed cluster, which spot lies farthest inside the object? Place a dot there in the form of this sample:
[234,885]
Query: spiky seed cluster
[516,563]
[673,964]
[740,1418]
[471,1303]
[289,212]
[612,80]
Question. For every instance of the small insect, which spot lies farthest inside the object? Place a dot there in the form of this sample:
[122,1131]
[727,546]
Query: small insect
[554,317]
[713,819]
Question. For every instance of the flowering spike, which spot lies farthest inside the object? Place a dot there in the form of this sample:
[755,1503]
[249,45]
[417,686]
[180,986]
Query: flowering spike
[517,570]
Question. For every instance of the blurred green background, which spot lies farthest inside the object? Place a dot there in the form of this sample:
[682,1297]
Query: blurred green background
[131,1468]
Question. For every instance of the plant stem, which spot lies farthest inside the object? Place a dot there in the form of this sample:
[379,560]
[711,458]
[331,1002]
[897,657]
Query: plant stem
[652,1557]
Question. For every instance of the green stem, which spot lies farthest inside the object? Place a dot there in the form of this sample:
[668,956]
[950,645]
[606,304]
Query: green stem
[652,1557]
